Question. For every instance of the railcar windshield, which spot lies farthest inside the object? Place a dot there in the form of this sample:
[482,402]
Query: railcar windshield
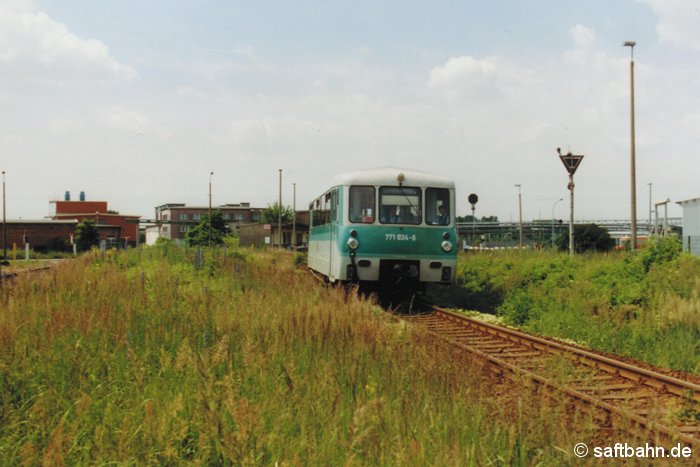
[437,206]
[400,205]
[362,204]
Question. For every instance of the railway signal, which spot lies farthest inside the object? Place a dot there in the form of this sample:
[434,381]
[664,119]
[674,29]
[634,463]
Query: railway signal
[571,163]
[473,199]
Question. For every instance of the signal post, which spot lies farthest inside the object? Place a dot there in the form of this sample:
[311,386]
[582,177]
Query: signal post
[571,163]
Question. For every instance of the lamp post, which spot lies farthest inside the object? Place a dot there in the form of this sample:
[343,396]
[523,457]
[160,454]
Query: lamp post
[279,216]
[294,217]
[650,211]
[520,217]
[633,174]
[553,206]
[210,224]
[4,222]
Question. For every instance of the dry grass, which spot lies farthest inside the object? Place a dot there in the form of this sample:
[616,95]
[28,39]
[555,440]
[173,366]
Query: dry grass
[141,358]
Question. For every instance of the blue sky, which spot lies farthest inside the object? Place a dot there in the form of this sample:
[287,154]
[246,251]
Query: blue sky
[135,102]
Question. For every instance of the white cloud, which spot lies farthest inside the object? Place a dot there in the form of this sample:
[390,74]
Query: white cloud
[33,39]
[462,73]
[583,37]
[678,22]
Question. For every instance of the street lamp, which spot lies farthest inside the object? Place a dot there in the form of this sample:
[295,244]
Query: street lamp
[520,217]
[633,175]
[4,222]
[650,211]
[553,206]
[210,175]
[294,217]
[279,216]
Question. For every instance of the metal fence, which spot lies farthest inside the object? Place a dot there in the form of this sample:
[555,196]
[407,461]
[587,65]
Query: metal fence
[691,244]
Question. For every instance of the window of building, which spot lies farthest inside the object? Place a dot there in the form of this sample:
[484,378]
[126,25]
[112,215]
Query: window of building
[183,216]
[237,217]
[183,229]
[400,205]
[197,216]
[255,216]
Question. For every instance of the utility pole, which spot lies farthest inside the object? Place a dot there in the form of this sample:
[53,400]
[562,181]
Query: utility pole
[650,211]
[279,217]
[520,217]
[4,222]
[210,224]
[633,173]
[571,163]
[294,217]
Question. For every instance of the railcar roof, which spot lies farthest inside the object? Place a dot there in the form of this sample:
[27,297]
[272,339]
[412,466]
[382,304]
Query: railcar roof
[389,176]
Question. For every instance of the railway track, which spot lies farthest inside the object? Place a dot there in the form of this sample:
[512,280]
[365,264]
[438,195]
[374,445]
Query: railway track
[642,402]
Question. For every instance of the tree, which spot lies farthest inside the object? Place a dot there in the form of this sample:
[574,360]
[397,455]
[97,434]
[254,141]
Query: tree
[588,237]
[199,234]
[271,214]
[86,235]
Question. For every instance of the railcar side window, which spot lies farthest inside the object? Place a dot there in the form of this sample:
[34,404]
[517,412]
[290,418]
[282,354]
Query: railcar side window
[400,205]
[437,206]
[362,204]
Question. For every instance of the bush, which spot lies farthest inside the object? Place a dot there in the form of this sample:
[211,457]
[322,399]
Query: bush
[588,237]
[661,250]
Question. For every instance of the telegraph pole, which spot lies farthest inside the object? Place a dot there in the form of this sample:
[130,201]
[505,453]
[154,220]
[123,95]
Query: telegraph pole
[571,163]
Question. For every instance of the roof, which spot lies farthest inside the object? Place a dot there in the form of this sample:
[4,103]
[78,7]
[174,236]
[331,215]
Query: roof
[99,214]
[389,176]
[224,207]
[688,201]
[42,221]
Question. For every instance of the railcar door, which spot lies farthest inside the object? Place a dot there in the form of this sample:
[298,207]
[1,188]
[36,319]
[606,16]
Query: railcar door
[333,231]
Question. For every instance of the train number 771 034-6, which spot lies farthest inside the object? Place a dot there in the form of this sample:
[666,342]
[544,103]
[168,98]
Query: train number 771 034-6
[400,237]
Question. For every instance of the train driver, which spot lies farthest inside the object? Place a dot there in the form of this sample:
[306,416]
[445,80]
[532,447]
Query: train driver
[443,215]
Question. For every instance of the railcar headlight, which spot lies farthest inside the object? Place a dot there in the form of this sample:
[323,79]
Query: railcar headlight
[353,243]
[446,246]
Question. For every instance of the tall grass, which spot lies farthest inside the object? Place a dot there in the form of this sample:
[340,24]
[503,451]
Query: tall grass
[645,305]
[141,358]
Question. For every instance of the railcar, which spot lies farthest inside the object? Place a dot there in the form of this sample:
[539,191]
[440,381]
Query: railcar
[387,226]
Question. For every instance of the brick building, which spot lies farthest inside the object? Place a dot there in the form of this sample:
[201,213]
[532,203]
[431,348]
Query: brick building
[42,235]
[174,219]
[115,228]
[46,234]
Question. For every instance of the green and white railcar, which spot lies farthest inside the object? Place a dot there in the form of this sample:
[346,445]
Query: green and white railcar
[387,226]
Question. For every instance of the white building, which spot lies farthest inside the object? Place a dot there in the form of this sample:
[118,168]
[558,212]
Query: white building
[691,225]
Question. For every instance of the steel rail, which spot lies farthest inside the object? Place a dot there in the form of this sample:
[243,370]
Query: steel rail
[641,376]
[650,378]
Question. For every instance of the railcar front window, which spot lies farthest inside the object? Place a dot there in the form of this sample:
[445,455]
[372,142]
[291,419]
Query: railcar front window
[437,206]
[362,204]
[400,205]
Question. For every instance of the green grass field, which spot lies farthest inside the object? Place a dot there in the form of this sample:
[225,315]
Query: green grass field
[645,305]
[165,356]
[141,358]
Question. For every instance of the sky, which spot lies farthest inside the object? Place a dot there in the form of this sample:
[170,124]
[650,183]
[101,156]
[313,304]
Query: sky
[136,102]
